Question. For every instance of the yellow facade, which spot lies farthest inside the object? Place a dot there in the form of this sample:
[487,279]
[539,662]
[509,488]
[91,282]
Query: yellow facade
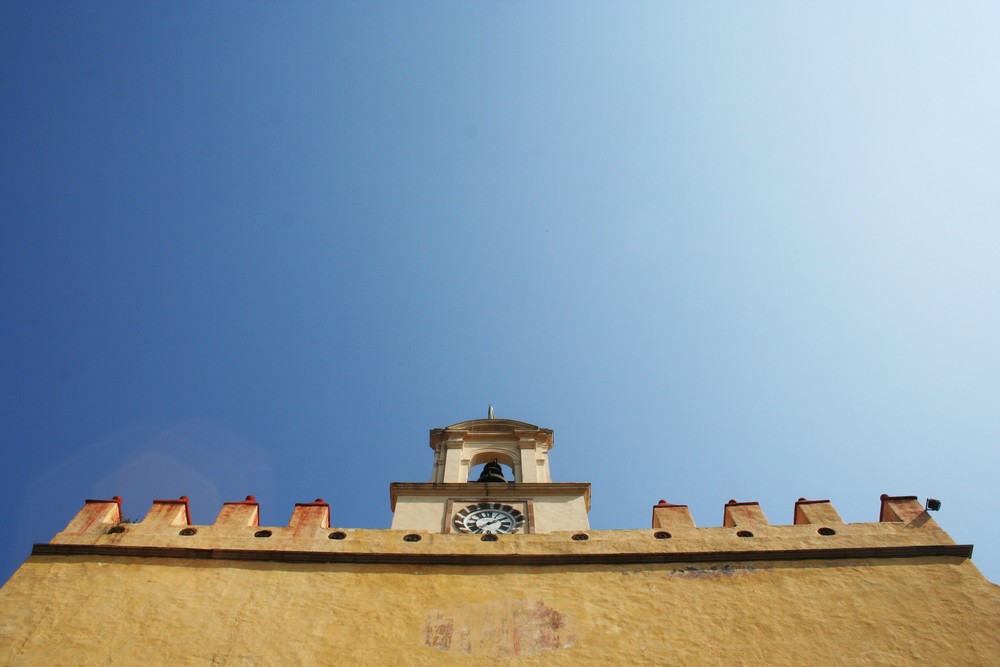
[897,591]
[81,610]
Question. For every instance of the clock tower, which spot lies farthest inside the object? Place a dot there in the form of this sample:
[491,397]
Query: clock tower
[513,494]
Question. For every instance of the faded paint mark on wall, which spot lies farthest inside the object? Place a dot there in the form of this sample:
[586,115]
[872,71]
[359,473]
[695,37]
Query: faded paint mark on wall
[694,572]
[498,629]
[714,572]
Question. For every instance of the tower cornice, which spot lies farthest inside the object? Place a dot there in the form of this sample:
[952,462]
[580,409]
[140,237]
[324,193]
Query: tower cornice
[489,490]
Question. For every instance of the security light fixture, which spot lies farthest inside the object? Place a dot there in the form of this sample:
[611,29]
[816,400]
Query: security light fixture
[933,504]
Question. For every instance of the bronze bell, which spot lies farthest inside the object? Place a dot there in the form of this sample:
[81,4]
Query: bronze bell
[492,472]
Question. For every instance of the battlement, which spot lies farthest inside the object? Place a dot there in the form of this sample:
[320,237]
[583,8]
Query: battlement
[449,584]
[904,528]
[748,515]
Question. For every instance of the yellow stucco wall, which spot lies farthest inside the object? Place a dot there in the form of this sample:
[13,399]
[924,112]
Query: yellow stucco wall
[90,610]
[819,592]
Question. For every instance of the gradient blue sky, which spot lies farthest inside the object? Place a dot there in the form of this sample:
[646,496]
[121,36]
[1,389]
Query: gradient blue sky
[726,250]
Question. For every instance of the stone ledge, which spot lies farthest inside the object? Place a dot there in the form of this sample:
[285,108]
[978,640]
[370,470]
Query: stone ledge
[486,491]
[948,550]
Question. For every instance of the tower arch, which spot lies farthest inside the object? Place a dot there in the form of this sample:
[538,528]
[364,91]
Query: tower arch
[522,446]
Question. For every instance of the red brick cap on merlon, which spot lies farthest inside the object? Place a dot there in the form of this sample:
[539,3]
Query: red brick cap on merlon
[114,499]
[319,502]
[664,503]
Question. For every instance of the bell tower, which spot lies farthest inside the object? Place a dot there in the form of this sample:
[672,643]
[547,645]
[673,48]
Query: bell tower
[453,503]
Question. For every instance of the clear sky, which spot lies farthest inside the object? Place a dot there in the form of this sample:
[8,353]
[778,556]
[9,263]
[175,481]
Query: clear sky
[726,250]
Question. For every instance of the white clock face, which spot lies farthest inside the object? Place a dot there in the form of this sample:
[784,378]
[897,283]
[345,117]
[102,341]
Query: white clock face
[489,518]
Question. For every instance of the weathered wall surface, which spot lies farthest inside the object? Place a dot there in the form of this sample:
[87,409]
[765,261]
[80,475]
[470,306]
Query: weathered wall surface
[234,593]
[90,610]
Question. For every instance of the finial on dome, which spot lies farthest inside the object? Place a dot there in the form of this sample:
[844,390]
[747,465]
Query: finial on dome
[489,412]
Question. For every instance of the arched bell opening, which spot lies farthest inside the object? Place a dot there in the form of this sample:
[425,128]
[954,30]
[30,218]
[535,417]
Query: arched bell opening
[494,464]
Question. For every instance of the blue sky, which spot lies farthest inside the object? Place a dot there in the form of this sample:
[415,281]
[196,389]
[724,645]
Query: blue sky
[725,250]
